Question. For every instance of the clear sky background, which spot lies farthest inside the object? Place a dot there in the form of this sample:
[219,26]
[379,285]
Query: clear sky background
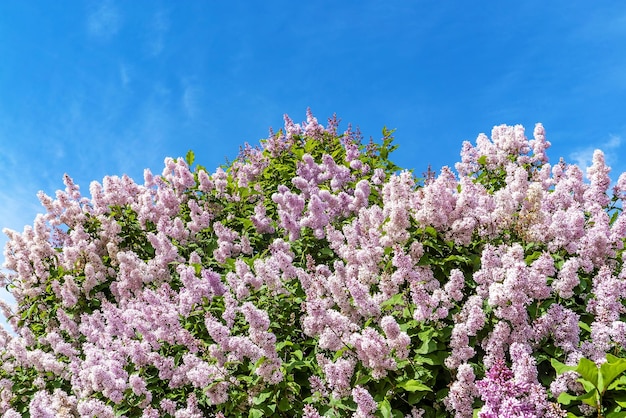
[95,88]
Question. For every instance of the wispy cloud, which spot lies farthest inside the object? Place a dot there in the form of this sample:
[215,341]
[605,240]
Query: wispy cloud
[124,75]
[191,96]
[583,156]
[604,24]
[18,209]
[19,203]
[104,21]
[158,28]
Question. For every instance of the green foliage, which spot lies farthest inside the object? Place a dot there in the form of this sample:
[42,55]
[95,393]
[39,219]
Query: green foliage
[419,380]
[604,386]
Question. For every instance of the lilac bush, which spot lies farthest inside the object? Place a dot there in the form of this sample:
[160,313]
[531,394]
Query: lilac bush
[313,277]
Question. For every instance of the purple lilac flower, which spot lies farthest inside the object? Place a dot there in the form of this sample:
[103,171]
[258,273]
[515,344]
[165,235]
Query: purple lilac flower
[462,392]
[366,404]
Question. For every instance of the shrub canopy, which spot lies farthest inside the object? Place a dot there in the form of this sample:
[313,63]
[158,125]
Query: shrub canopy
[312,277]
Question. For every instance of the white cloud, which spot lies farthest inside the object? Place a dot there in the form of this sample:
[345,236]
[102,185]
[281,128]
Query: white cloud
[105,21]
[191,100]
[614,142]
[18,209]
[159,26]
[124,75]
[604,24]
[583,157]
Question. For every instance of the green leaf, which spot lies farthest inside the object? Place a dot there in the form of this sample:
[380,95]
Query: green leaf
[427,347]
[610,370]
[614,216]
[385,408]
[584,325]
[255,413]
[424,360]
[482,160]
[396,299]
[409,325]
[415,397]
[436,358]
[560,367]
[190,158]
[532,257]
[618,383]
[295,365]
[413,385]
[282,344]
[284,404]
[431,231]
[588,371]
[621,402]
[262,397]
[589,398]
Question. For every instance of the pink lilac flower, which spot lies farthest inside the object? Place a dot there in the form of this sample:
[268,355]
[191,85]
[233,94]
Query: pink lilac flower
[261,221]
[524,365]
[609,292]
[510,140]
[498,389]
[318,386]
[596,246]
[561,324]
[310,412]
[91,407]
[249,165]
[619,189]
[416,413]
[454,286]
[505,394]
[596,195]
[373,352]
[311,127]
[290,208]
[390,327]
[137,384]
[191,410]
[308,173]
[462,392]
[496,342]
[396,202]
[218,392]
[599,342]
[438,201]
[150,412]
[168,406]
[11,413]
[473,314]
[226,242]
[41,405]
[460,345]
[206,184]
[315,216]
[219,179]
[200,217]
[366,404]
[339,375]
[539,145]
[567,278]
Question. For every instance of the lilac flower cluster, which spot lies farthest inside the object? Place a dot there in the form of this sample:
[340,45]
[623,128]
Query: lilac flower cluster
[183,296]
[509,394]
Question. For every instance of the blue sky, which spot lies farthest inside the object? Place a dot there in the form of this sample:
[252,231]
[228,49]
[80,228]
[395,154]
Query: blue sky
[95,88]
